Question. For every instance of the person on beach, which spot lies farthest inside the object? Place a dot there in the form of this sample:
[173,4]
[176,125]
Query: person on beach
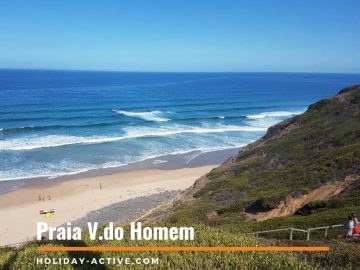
[356,221]
[350,227]
[356,230]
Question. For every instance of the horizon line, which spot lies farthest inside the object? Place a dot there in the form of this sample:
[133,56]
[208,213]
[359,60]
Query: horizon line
[174,72]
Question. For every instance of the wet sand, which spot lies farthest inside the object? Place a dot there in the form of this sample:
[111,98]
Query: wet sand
[191,159]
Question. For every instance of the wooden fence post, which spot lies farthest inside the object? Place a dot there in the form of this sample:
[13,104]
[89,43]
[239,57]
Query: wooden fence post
[292,230]
[326,231]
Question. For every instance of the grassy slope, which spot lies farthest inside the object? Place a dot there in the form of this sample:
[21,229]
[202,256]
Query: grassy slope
[205,236]
[296,156]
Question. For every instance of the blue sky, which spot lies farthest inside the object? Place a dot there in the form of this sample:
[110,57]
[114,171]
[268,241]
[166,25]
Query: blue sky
[181,35]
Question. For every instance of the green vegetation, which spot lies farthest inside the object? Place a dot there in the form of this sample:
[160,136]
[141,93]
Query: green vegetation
[342,255]
[294,157]
[7,257]
[205,236]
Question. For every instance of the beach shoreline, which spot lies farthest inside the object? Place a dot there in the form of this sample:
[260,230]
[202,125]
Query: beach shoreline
[190,159]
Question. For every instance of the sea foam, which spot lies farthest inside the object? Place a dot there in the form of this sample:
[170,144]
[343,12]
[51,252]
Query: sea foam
[30,143]
[70,168]
[272,114]
[147,116]
[179,129]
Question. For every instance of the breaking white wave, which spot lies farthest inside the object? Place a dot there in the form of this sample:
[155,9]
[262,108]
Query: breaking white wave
[167,131]
[147,116]
[69,168]
[272,114]
[29,143]
[51,141]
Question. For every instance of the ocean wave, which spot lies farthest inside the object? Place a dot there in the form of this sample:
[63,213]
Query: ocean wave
[70,169]
[58,118]
[206,118]
[51,141]
[54,127]
[30,143]
[203,118]
[272,114]
[173,130]
[229,109]
[147,116]
[52,111]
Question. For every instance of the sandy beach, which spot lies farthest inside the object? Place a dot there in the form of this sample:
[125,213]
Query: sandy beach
[73,200]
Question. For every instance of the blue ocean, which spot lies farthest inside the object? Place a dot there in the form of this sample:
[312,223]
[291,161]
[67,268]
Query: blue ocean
[55,123]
